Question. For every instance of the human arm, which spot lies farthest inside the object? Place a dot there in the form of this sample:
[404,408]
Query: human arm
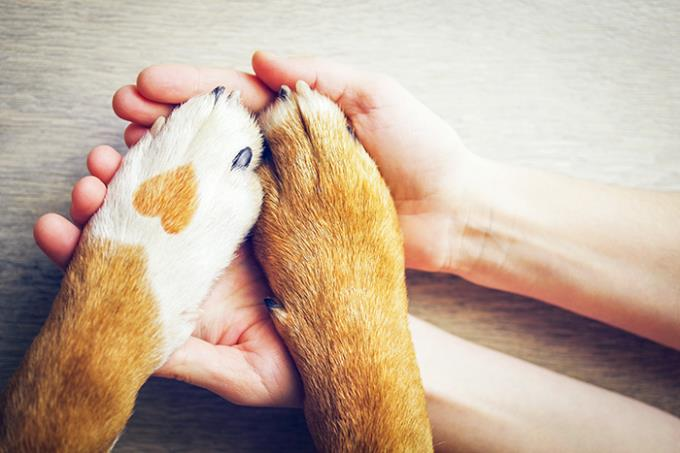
[606,252]
[483,400]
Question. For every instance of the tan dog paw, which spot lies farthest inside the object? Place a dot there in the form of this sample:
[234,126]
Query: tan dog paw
[329,241]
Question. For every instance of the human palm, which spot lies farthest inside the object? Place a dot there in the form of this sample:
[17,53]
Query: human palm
[422,160]
[235,350]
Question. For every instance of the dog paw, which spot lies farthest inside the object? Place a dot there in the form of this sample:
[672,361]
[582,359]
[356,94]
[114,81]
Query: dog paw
[328,228]
[186,196]
[329,241]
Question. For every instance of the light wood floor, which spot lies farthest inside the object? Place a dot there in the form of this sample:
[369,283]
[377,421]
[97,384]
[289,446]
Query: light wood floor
[589,91]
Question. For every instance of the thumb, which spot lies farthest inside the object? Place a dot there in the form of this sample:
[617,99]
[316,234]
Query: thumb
[221,369]
[342,84]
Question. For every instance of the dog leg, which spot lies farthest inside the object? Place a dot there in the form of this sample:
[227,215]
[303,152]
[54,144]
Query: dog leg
[174,215]
[330,244]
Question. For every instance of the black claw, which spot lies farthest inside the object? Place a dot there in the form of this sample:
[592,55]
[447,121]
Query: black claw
[268,158]
[217,91]
[284,92]
[272,303]
[266,151]
[350,129]
[243,158]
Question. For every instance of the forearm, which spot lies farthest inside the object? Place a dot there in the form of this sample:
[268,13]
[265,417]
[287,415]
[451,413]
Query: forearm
[605,252]
[482,400]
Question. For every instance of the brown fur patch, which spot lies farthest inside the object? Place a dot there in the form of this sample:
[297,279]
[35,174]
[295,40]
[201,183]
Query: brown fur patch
[172,196]
[329,241]
[77,385]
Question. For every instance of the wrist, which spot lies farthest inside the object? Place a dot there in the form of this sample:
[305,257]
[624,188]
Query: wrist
[473,209]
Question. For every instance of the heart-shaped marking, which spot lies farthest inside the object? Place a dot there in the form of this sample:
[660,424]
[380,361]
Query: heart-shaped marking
[172,196]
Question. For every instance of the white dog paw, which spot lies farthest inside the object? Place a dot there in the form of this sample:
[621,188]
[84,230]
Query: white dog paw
[187,193]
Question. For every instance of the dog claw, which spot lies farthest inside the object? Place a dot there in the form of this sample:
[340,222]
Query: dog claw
[243,158]
[157,126]
[272,303]
[234,96]
[284,92]
[302,87]
[217,92]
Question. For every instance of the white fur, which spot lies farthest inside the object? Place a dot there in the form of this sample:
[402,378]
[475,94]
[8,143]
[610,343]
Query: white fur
[183,266]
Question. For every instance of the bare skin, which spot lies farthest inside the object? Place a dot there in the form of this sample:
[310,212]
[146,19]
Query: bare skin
[214,359]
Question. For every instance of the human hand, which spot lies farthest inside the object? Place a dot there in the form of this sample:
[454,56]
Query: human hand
[234,351]
[390,123]
[419,155]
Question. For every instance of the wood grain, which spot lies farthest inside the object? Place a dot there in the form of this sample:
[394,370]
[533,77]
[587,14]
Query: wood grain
[587,90]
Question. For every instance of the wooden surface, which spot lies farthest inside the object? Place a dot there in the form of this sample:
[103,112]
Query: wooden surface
[590,91]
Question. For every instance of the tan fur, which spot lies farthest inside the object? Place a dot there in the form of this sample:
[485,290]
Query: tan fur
[76,387]
[330,244]
[172,196]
